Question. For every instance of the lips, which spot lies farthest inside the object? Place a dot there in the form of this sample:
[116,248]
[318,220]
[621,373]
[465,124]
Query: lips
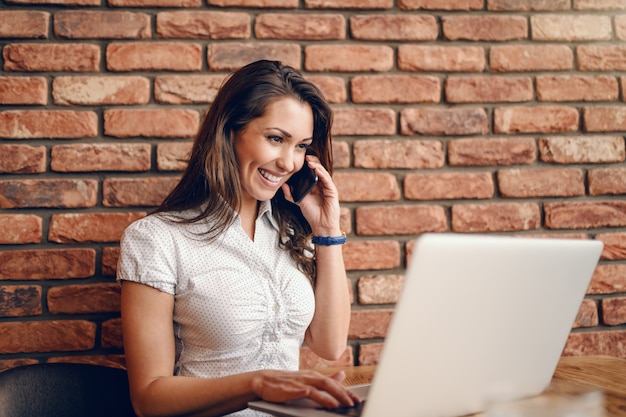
[271,178]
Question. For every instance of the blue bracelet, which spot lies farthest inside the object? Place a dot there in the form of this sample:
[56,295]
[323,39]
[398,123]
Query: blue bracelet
[329,240]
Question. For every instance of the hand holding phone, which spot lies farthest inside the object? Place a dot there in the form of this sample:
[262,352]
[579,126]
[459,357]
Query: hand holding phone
[302,182]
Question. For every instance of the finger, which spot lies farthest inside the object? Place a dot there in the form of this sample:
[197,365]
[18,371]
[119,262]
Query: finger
[287,192]
[334,388]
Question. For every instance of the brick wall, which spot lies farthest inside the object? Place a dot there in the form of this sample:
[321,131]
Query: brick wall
[490,116]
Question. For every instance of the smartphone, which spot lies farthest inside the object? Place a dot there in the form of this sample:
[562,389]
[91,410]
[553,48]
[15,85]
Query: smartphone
[302,182]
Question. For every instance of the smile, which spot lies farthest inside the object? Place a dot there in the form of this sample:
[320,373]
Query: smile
[269,177]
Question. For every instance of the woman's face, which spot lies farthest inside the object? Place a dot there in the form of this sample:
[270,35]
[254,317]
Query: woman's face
[272,147]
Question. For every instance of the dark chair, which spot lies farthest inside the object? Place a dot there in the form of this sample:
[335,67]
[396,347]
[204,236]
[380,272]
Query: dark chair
[64,390]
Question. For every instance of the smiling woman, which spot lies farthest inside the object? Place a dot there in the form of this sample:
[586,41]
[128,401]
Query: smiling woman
[222,284]
[272,148]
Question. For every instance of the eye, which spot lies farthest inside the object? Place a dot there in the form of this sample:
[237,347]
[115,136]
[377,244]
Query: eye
[303,146]
[274,138]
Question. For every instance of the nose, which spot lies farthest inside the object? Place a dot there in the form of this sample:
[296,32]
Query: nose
[287,161]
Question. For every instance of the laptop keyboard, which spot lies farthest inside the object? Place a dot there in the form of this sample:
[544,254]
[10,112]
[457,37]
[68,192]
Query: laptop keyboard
[354,411]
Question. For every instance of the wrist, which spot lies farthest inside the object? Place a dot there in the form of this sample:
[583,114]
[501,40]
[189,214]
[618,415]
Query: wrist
[329,240]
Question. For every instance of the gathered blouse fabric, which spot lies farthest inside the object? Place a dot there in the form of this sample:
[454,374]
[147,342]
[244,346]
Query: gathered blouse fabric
[239,304]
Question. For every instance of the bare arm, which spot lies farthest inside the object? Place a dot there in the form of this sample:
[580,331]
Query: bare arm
[155,391]
[328,331]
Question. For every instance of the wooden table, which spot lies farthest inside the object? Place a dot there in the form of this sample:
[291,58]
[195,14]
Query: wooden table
[601,372]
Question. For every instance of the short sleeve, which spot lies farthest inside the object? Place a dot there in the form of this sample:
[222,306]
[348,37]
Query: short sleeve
[147,256]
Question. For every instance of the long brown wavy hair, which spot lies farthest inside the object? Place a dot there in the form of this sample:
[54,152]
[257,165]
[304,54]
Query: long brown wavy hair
[211,181]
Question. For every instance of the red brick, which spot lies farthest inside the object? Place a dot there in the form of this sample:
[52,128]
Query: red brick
[154,56]
[599,5]
[375,254]
[203,25]
[541,182]
[608,279]
[129,192]
[484,27]
[20,300]
[380,289]
[394,27]
[154,3]
[47,264]
[24,24]
[365,186]
[333,88]
[14,363]
[614,245]
[570,28]
[23,90]
[364,121]
[601,57]
[110,256]
[604,119]
[585,214]
[90,227]
[538,119]
[482,89]
[162,123]
[614,311]
[620,27]
[22,159]
[309,360]
[513,58]
[604,181]
[441,58]
[51,57]
[577,88]
[345,220]
[112,334]
[84,299]
[54,193]
[449,186]
[348,4]
[307,26]
[179,89]
[528,5]
[20,229]
[367,324]
[47,336]
[495,217]
[58,2]
[348,58]
[56,124]
[400,220]
[173,156]
[609,343]
[398,153]
[581,149]
[83,24]
[492,151]
[440,4]
[443,121]
[233,55]
[587,315]
[288,4]
[112,361]
[101,157]
[92,90]
[369,354]
[395,89]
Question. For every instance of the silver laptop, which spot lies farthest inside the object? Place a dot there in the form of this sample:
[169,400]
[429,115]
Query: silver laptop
[481,319]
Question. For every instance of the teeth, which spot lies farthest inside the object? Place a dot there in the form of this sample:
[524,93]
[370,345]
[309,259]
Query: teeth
[268,176]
